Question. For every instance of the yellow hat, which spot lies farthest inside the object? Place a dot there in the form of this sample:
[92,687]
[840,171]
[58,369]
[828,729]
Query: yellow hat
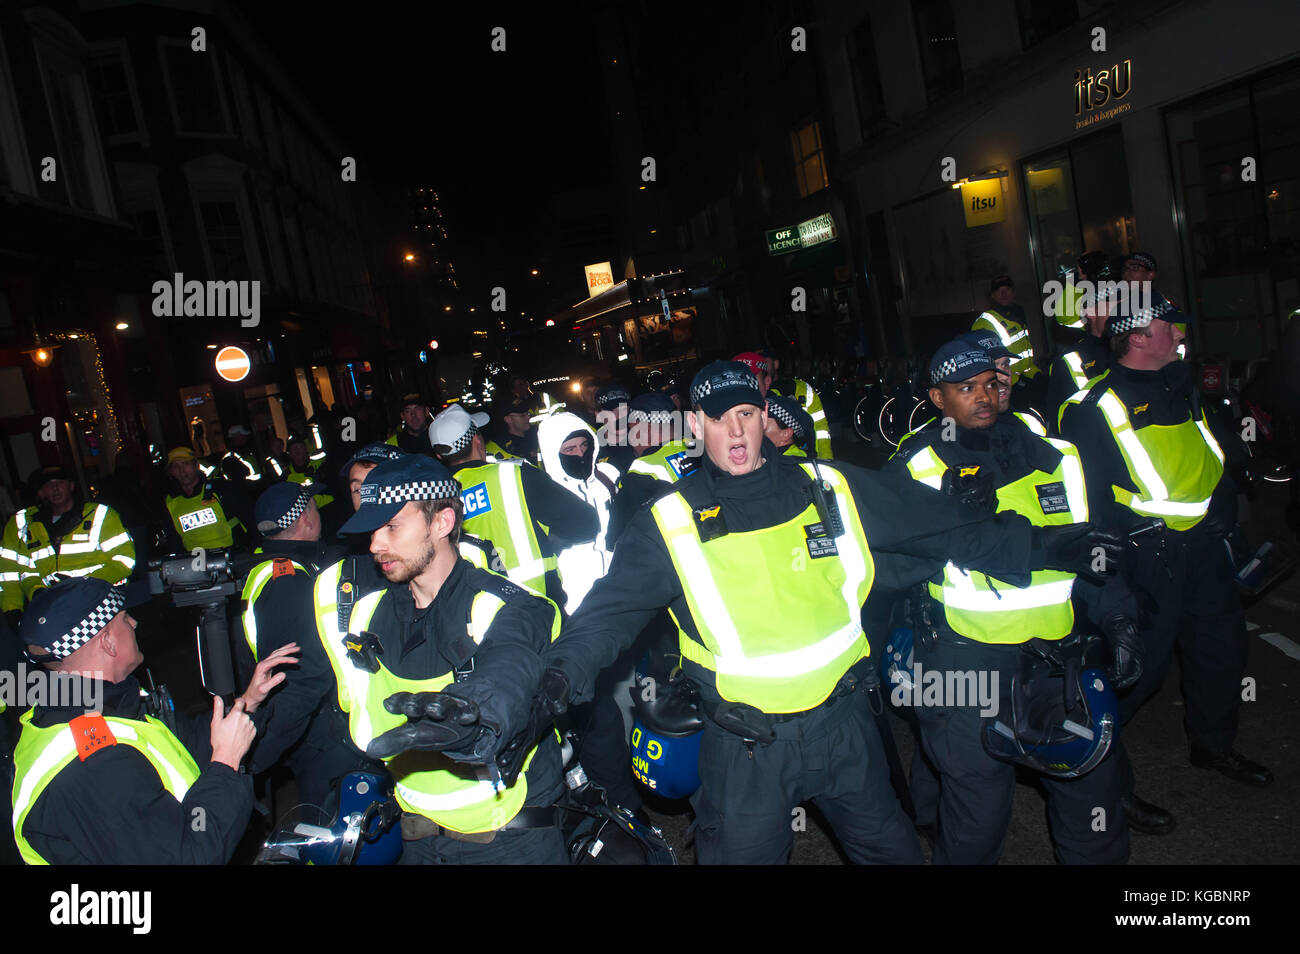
[180,453]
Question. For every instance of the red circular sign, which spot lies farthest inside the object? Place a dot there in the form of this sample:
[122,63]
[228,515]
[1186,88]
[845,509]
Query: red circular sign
[233,363]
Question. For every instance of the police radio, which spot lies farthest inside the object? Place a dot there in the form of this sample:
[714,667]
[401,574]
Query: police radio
[827,509]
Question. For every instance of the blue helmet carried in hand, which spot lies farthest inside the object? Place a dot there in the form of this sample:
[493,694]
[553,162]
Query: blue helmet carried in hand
[1058,720]
[364,831]
[666,731]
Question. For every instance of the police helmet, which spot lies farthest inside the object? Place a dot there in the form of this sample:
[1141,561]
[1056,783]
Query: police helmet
[364,830]
[896,660]
[1060,721]
[666,731]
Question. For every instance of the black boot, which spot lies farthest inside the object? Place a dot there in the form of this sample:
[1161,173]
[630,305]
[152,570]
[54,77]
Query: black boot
[1147,818]
[1232,764]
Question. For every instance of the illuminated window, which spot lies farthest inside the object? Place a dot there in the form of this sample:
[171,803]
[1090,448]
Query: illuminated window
[809,165]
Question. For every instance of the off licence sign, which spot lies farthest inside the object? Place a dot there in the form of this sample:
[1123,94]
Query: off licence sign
[780,241]
[814,231]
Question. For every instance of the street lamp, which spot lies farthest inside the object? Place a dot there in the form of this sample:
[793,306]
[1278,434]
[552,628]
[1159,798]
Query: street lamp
[534,272]
[409,257]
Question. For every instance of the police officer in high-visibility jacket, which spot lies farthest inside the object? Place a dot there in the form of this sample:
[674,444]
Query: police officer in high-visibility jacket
[983,624]
[789,427]
[1082,364]
[303,470]
[766,369]
[63,534]
[239,461]
[102,775]
[1149,452]
[304,729]
[1007,319]
[528,517]
[660,457]
[206,513]
[765,562]
[412,435]
[456,651]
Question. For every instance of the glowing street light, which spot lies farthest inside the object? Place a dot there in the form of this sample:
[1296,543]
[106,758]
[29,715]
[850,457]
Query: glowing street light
[409,257]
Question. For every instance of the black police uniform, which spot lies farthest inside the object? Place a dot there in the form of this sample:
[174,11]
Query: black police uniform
[304,728]
[831,754]
[975,787]
[503,673]
[560,519]
[414,443]
[1094,358]
[112,809]
[1184,577]
[634,490]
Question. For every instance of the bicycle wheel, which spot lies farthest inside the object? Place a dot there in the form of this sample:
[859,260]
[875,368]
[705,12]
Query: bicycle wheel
[864,420]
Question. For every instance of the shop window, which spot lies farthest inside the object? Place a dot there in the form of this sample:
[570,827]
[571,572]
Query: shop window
[1078,200]
[936,37]
[865,69]
[809,163]
[1240,239]
[1039,19]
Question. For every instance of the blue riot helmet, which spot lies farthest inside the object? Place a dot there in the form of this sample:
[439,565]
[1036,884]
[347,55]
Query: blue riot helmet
[896,660]
[666,731]
[1058,720]
[364,831]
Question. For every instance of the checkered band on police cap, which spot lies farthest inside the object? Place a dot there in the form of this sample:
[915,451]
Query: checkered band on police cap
[460,443]
[951,365]
[84,631]
[650,417]
[1141,317]
[782,415]
[417,490]
[288,518]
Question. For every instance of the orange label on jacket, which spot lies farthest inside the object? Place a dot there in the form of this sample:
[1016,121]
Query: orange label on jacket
[281,567]
[90,733]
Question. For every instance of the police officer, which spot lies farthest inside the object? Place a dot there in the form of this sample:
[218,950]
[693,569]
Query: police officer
[412,434]
[206,513]
[63,534]
[520,438]
[122,784]
[457,651]
[239,462]
[276,610]
[303,470]
[766,370]
[1006,319]
[765,562]
[983,624]
[1148,452]
[527,516]
[1080,366]
[611,417]
[789,427]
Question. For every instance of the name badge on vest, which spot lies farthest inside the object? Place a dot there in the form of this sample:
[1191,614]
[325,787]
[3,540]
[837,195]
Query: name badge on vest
[677,462]
[709,522]
[1052,498]
[199,518]
[820,543]
[476,500]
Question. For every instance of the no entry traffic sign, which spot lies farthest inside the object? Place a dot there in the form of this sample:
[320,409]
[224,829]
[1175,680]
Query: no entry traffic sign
[233,363]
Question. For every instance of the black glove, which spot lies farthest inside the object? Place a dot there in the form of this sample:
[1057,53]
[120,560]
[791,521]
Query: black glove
[1125,649]
[973,486]
[439,723]
[555,691]
[1080,548]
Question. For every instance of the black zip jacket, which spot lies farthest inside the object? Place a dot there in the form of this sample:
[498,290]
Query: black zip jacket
[911,534]
[1168,397]
[1009,451]
[1094,354]
[112,809]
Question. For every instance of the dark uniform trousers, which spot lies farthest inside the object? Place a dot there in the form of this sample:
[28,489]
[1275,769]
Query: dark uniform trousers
[1196,608]
[833,756]
[975,797]
[525,846]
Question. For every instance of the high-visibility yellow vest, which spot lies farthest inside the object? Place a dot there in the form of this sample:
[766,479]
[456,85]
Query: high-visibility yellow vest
[99,546]
[496,510]
[42,753]
[1082,375]
[786,661]
[201,522]
[453,794]
[667,463]
[496,452]
[807,396]
[258,577]
[250,469]
[1070,312]
[986,609]
[1175,467]
[1014,337]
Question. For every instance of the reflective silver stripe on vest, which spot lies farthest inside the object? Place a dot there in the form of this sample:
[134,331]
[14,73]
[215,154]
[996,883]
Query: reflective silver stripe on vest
[481,791]
[511,499]
[926,459]
[1074,362]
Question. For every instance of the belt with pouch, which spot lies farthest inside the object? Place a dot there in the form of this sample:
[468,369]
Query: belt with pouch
[755,725]
[416,826]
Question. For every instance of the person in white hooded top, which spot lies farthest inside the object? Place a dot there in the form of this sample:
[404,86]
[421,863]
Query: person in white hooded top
[568,450]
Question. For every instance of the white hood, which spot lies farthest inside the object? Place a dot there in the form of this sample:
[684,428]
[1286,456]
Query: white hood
[551,433]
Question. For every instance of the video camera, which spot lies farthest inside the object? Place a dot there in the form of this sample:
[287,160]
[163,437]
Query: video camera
[205,580]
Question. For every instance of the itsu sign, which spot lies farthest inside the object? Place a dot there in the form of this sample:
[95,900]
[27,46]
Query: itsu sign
[600,277]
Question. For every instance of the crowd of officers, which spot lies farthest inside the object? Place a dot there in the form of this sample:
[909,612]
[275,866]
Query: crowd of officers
[410,613]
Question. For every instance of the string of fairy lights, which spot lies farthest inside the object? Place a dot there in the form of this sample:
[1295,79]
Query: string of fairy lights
[113,434]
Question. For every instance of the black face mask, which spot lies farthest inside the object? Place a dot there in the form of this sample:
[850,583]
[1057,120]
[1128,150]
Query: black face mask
[578,466]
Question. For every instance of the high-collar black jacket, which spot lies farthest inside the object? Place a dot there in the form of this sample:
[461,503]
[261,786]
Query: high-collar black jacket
[112,809]
[912,533]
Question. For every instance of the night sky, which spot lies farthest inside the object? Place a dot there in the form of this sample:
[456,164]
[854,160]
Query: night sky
[416,93]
